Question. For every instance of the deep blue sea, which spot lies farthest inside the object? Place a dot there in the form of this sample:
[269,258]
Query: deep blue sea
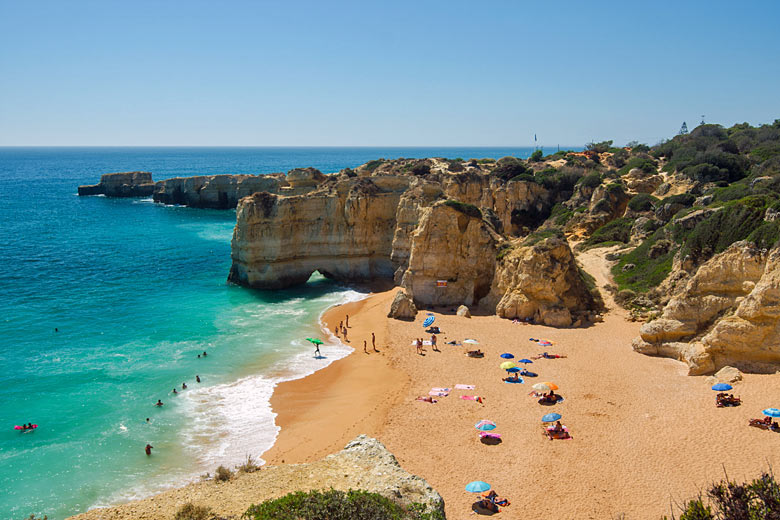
[136,291]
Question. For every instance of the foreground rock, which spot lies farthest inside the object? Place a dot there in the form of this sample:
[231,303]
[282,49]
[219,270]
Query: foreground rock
[403,307]
[727,314]
[126,184]
[364,464]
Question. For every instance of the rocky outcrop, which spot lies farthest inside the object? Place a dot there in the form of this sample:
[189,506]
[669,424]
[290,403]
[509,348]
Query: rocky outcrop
[542,282]
[125,184]
[456,248]
[403,307]
[363,464]
[463,312]
[639,181]
[344,230]
[727,314]
[214,191]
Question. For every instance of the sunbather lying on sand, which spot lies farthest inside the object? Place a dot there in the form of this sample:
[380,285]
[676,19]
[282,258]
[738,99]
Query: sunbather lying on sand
[512,378]
[545,355]
[475,353]
[727,400]
[427,399]
[765,424]
[493,497]
[550,398]
[557,432]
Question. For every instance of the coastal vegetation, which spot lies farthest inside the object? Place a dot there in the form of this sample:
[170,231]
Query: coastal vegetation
[758,499]
[338,505]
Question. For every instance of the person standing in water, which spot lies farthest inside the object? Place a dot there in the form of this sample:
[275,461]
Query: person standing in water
[184,386]
[148,449]
[317,350]
[204,354]
[197,379]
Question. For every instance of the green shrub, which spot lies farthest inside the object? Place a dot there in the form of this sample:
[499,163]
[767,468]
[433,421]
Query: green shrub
[729,500]
[222,474]
[642,202]
[619,230]
[647,272]
[190,511]
[601,147]
[591,180]
[249,466]
[466,209]
[509,167]
[486,160]
[561,214]
[536,156]
[373,165]
[420,168]
[338,505]
[684,199]
[526,177]
[646,164]
[738,190]
[543,234]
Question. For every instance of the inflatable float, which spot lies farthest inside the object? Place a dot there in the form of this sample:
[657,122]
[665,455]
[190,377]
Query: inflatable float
[23,428]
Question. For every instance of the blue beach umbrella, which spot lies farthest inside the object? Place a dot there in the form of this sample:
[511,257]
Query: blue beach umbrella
[477,486]
[524,360]
[721,387]
[428,321]
[551,417]
[507,355]
[513,370]
[772,412]
[485,425]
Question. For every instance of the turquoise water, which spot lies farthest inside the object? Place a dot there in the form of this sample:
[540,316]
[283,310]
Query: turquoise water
[137,290]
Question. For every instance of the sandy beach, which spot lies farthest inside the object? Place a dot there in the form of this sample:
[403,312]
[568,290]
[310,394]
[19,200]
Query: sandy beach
[645,435]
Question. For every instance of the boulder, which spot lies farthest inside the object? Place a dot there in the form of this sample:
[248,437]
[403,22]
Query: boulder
[463,311]
[403,307]
[725,375]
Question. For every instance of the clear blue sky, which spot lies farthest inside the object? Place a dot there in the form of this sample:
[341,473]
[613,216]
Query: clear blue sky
[419,72]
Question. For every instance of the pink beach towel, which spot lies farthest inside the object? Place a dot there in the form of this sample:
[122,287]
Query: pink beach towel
[465,387]
[490,435]
[472,398]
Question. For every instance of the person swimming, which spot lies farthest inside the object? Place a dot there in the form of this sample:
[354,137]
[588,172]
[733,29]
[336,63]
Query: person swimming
[148,449]
[159,402]
[204,354]
[184,386]
[174,391]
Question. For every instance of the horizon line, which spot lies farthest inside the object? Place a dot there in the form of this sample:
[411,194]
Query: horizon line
[272,146]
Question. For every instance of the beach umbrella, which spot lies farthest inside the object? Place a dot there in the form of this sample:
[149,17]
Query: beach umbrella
[507,365]
[315,341]
[485,425]
[507,355]
[551,417]
[429,321]
[541,387]
[472,341]
[513,369]
[524,360]
[477,486]
[772,412]
[721,387]
[552,386]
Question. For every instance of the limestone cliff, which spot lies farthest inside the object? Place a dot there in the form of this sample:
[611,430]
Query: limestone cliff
[727,314]
[344,230]
[214,191]
[542,281]
[125,184]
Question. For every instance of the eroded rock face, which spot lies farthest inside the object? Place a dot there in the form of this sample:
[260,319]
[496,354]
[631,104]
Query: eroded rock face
[125,184]
[403,307]
[214,191]
[727,314]
[452,246]
[344,231]
[542,282]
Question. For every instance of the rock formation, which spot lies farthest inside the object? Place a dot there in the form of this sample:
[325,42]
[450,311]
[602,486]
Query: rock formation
[727,314]
[403,307]
[363,464]
[214,191]
[436,233]
[126,184]
[541,281]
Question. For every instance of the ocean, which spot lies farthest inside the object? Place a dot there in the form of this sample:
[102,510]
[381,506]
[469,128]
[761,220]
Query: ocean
[105,305]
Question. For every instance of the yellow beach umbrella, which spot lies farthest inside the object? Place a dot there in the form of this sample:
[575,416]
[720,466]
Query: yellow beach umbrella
[552,386]
[507,365]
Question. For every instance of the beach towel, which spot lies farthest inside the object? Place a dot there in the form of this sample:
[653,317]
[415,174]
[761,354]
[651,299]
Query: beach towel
[472,398]
[437,389]
[438,394]
[490,435]
[519,380]
[465,387]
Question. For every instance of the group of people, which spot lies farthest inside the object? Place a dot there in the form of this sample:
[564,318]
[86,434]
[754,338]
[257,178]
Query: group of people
[765,424]
[491,501]
[418,343]
[724,399]
[28,426]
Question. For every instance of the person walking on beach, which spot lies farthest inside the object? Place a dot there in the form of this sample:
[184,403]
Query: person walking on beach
[148,449]
[433,342]
[364,346]
[317,350]
[344,331]
[347,320]
[373,342]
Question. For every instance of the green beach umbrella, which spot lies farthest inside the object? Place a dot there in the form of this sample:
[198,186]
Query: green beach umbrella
[315,341]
